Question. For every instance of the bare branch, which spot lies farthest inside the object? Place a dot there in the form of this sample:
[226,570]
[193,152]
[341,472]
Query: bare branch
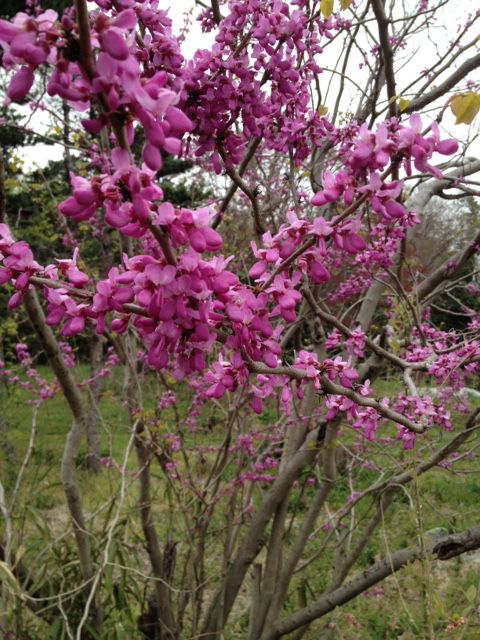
[463,70]
[387,54]
[448,547]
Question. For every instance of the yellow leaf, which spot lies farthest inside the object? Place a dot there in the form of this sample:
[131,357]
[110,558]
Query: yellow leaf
[403,104]
[465,107]
[326,7]
[322,110]
[344,4]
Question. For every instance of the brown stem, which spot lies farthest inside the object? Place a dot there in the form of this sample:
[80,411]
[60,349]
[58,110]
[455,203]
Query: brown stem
[307,526]
[217,16]
[338,389]
[387,54]
[252,147]
[87,63]
[226,594]
[463,70]
[380,351]
[448,270]
[165,618]
[243,186]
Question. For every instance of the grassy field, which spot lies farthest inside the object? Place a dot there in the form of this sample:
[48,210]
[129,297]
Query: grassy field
[53,423]
[444,595]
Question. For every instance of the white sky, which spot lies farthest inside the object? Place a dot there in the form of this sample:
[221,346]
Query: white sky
[456,13]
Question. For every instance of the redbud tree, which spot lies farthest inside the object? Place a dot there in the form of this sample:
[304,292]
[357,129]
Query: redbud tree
[283,302]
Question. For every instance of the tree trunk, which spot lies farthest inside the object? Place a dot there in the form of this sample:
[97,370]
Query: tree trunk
[72,395]
[165,628]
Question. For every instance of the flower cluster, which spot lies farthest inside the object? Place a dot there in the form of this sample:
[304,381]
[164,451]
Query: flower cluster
[18,265]
[258,73]
[28,41]
[182,297]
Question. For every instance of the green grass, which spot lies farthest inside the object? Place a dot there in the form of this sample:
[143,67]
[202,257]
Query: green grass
[448,500]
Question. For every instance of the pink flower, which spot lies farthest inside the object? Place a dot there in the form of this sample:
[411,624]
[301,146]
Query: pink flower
[20,84]
[114,44]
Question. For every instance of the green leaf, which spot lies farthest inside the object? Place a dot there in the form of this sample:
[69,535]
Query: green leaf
[403,104]
[9,580]
[326,7]
[120,633]
[465,107]
[471,593]
[344,4]
[108,574]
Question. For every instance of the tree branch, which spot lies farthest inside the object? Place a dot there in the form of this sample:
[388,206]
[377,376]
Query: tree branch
[448,547]
[387,54]
[463,70]
[339,390]
[380,351]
